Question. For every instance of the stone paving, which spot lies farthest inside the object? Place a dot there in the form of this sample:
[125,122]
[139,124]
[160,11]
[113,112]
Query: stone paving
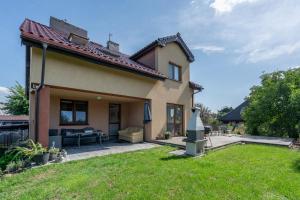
[88,151]
[220,141]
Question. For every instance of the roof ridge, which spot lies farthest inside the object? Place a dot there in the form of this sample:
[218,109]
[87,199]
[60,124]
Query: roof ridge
[162,41]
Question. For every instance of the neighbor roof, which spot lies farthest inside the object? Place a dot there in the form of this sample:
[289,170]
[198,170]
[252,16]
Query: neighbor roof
[162,42]
[35,32]
[235,115]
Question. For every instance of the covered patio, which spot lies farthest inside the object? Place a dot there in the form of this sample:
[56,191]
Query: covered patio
[67,110]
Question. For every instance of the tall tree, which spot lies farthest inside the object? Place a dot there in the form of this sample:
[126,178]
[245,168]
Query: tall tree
[16,102]
[274,106]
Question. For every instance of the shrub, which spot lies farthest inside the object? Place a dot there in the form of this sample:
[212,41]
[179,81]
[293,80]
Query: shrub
[54,150]
[4,160]
[240,129]
[20,155]
[14,166]
[28,151]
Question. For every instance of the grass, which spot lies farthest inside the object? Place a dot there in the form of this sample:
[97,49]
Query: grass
[237,172]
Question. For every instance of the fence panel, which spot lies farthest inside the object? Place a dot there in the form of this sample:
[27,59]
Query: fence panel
[13,134]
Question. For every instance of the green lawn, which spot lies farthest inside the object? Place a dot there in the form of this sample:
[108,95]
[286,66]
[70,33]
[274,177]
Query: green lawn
[237,172]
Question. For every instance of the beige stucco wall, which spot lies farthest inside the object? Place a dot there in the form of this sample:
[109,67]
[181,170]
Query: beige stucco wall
[70,72]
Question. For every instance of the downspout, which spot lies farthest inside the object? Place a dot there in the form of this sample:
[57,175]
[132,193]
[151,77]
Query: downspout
[197,91]
[37,93]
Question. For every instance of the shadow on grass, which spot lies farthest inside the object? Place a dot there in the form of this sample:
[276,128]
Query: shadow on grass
[174,157]
[296,165]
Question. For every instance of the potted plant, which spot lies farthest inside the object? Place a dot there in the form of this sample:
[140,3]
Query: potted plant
[167,135]
[37,153]
[41,156]
[53,153]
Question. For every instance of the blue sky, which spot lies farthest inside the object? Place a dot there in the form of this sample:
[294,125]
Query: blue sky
[233,41]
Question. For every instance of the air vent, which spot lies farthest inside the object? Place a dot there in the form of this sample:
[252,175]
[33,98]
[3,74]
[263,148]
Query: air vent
[77,39]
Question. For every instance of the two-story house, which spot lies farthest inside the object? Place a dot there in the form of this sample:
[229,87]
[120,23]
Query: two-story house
[74,82]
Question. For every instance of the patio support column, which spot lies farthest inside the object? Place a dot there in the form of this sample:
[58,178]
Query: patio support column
[44,116]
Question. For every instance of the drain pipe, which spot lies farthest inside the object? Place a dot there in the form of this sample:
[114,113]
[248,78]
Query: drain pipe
[37,93]
[193,96]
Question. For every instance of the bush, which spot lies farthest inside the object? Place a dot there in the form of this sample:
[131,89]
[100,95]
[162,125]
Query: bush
[17,155]
[54,150]
[15,166]
[4,160]
[240,129]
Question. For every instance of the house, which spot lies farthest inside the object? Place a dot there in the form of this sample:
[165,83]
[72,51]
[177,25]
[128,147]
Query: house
[7,120]
[235,116]
[72,82]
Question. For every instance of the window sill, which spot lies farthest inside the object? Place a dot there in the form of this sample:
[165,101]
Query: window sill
[85,124]
[174,80]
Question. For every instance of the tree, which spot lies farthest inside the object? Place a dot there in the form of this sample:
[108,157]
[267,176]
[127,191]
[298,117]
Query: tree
[205,113]
[16,102]
[274,106]
[224,111]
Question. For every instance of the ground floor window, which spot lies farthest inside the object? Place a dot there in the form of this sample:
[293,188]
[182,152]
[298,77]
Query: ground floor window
[175,119]
[73,112]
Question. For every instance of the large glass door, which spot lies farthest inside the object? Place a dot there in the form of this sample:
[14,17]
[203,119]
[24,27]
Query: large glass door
[114,120]
[175,119]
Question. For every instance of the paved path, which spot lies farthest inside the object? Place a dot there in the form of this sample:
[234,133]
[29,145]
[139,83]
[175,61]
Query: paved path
[88,151]
[219,141]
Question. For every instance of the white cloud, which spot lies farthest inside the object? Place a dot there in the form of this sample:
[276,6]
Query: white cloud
[223,6]
[257,55]
[208,48]
[250,32]
[3,92]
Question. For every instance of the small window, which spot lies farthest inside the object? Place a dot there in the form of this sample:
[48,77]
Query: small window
[174,72]
[73,112]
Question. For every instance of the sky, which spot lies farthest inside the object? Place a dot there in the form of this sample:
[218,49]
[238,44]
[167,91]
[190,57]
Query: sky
[234,41]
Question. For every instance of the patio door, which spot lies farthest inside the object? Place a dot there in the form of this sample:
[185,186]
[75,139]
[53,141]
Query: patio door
[114,120]
[175,119]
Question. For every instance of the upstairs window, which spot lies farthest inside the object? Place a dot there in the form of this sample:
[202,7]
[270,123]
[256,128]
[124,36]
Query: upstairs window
[73,112]
[174,72]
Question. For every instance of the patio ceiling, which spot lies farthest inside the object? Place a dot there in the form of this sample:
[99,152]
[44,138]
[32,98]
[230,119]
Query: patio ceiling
[79,95]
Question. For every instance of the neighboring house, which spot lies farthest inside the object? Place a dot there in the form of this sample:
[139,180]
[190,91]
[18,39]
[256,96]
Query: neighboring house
[74,82]
[7,120]
[235,115]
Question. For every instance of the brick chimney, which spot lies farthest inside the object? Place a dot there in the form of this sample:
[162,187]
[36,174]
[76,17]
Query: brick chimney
[73,33]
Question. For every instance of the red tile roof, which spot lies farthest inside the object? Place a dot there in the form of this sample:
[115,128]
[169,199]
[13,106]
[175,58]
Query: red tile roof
[14,118]
[36,32]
